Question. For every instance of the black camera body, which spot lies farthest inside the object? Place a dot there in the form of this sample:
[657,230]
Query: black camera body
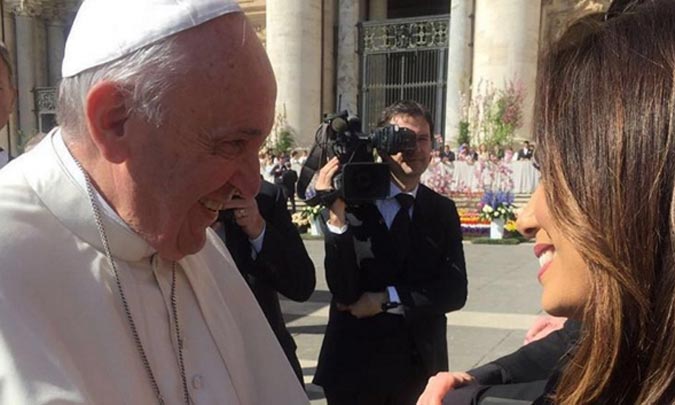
[360,178]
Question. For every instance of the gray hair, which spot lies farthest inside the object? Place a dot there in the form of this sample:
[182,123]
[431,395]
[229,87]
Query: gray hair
[145,74]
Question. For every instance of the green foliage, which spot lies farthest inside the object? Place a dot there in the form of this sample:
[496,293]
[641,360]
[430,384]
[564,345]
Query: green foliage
[284,141]
[22,140]
[283,138]
[464,134]
[488,241]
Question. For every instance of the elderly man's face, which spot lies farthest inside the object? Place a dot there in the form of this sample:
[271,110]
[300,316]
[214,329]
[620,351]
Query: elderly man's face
[206,150]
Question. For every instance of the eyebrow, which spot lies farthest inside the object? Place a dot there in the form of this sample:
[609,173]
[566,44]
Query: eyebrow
[222,132]
[251,131]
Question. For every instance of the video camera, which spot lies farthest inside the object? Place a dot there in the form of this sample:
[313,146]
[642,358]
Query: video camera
[360,179]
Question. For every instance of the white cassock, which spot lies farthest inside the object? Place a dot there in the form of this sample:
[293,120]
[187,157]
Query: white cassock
[64,336]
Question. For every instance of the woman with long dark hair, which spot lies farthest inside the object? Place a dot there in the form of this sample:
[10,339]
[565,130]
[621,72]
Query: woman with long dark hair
[603,216]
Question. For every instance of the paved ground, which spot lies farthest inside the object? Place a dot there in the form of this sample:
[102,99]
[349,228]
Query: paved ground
[503,302]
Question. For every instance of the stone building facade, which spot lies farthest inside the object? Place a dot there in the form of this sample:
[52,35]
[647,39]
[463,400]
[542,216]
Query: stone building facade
[354,55]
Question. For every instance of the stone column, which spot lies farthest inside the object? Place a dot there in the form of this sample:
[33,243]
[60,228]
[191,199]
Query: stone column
[56,43]
[377,10]
[25,73]
[8,134]
[507,47]
[294,48]
[459,65]
[347,56]
[328,58]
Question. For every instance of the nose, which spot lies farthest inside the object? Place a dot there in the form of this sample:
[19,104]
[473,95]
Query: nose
[527,223]
[247,177]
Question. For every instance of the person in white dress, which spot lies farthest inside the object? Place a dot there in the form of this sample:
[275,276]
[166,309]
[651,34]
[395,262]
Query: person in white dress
[113,288]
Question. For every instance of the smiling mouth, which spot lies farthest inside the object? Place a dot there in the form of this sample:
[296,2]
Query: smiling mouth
[545,254]
[546,258]
[211,205]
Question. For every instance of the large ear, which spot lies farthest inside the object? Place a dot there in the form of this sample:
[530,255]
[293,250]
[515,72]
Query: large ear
[107,113]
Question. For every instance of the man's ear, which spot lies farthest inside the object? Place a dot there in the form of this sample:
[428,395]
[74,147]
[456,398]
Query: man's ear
[107,113]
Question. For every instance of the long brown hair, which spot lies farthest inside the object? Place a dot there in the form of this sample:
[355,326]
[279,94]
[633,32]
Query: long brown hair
[605,129]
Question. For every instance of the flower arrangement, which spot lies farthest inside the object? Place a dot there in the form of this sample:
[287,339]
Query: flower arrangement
[492,116]
[496,205]
[312,212]
[510,226]
[438,177]
[494,175]
[303,218]
[300,221]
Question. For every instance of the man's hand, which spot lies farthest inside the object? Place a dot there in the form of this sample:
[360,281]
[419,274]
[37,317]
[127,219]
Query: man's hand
[247,216]
[441,384]
[542,326]
[369,304]
[324,182]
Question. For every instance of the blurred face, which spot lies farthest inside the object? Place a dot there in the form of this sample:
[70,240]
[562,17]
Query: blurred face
[562,273]
[408,167]
[206,150]
[7,95]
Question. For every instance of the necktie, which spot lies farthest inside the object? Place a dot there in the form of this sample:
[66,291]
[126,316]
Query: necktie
[400,227]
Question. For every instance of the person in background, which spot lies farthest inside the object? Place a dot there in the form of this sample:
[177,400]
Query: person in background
[262,162]
[463,153]
[113,288]
[508,154]
[447,155]
[483,153]
[270,255]
[525,153]
[295,160]
[395,267]
[303,156]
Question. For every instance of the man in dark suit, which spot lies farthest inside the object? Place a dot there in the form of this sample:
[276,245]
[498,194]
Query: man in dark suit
[525,153]
[393,277]
[270,255]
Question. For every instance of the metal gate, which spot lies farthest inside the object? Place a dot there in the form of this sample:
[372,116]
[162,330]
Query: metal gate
[404,59]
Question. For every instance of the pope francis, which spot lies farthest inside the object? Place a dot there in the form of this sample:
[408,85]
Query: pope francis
[112,288]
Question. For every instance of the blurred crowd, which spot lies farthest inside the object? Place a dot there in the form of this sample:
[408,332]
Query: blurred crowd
[470,154]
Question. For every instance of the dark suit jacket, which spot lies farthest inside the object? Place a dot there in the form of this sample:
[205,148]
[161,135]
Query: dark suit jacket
[524,154]
[388,347]
[282,265]
[528,374]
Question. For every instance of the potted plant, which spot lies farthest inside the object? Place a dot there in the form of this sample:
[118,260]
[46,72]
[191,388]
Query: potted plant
[312,216]
[496,207]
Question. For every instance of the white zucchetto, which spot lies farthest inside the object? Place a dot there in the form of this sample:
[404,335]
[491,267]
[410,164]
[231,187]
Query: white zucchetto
[105,30]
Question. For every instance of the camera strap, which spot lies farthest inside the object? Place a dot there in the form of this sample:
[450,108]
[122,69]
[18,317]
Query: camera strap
[315,161]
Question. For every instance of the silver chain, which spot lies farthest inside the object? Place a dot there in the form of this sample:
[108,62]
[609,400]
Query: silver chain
[130,320]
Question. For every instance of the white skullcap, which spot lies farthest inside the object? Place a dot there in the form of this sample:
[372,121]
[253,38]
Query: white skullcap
[105,30]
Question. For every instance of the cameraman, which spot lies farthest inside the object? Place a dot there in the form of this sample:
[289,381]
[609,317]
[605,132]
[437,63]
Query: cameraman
[393,278]
[270,255]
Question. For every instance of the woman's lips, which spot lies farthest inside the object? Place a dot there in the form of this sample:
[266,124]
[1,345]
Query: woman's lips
[545,254]
[540,248]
